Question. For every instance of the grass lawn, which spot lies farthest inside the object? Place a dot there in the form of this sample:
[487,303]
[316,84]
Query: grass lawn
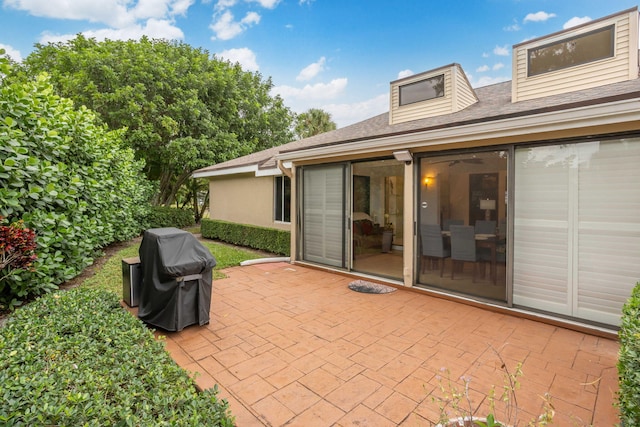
[109,275]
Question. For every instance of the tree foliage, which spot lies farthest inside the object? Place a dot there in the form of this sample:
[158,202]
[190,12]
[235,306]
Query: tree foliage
[182,109]
[68,178]
[313,122]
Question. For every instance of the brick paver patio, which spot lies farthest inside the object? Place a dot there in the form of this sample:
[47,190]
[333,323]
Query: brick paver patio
[291,345]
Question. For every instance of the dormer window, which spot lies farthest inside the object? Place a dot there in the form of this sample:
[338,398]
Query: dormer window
[422,90]
[582,49]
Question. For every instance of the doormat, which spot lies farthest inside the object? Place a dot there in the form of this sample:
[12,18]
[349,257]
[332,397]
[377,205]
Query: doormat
[370,287]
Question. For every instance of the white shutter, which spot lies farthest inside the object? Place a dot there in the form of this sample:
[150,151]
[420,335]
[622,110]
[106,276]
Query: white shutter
[323,215]
[608,231]
[577,228]
[541,226]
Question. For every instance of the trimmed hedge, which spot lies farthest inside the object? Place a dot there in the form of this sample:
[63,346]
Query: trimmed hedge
[164,216]
[78,358]
[629,361]
[68,177]
[261,238]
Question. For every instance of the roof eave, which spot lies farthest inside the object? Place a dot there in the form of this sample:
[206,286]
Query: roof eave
[549,121]
[255,169]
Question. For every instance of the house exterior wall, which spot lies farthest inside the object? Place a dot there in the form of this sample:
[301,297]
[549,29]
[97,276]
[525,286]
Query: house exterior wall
[463,94]
[621,67]
[244,199]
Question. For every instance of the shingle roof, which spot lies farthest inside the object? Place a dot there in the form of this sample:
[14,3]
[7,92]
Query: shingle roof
[494,104]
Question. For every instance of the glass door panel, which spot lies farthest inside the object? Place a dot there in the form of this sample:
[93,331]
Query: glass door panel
[462,223]
[377,217]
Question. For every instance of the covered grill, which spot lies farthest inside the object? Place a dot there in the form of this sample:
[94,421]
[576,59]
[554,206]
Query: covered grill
[177,279]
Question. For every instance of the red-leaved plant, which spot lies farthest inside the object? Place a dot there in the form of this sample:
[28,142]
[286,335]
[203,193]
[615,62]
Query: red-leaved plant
[17,248]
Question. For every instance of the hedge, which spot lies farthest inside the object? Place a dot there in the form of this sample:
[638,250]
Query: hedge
[163,216]
[261,238]
[78,358]
[629,361]
[68,178]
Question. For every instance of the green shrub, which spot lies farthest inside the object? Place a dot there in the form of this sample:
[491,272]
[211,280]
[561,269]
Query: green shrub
[629,361]
[265,239]
[163,216]
[78,358]
[68,178]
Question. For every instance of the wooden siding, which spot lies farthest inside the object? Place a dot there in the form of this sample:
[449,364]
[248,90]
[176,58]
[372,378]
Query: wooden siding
[621,67]
[458,95]
[463,93]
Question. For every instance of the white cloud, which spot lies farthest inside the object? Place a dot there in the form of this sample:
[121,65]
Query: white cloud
[226,28]
[313,92]
[150,9]
[485,68]
[575,21]
[225,4]
[311,70]
[244,56]
[124,19]
[320,96]
[114,13]
[405,73]
[539,16]
[347,114]
[512,27]
[501,50]
[486,80]
[485,55]
[267,4]
[251,18]
[180,7]
[153,28]
[11,52]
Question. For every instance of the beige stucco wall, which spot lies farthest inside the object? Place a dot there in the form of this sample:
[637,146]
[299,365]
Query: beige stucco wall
[244,199]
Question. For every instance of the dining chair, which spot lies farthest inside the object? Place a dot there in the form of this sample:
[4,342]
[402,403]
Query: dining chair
[433,246]
[463,248]
[449,222]
[485,227]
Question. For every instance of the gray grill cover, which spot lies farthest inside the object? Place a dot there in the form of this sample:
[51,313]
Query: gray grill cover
[177,279]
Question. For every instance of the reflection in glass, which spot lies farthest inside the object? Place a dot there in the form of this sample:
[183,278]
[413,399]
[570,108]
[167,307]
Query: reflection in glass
[593,46]
[422,90]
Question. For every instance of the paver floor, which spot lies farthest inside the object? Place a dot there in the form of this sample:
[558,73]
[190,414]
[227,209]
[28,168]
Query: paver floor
[291,345]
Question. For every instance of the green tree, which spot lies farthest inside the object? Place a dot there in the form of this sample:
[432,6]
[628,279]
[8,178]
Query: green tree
[313,122]
[181,108]
[68,178]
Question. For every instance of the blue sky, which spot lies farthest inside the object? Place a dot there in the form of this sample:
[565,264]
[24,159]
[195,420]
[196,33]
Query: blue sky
[338,55]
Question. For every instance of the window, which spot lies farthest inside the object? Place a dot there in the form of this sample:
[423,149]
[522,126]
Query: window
[282,199]
[582,49]
[422,90]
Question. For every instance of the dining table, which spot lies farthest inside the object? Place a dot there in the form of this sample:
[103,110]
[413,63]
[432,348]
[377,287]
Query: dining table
[489,241]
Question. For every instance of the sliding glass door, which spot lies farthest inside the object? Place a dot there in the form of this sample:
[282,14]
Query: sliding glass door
[377,217]
[462,223]
[352,216]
